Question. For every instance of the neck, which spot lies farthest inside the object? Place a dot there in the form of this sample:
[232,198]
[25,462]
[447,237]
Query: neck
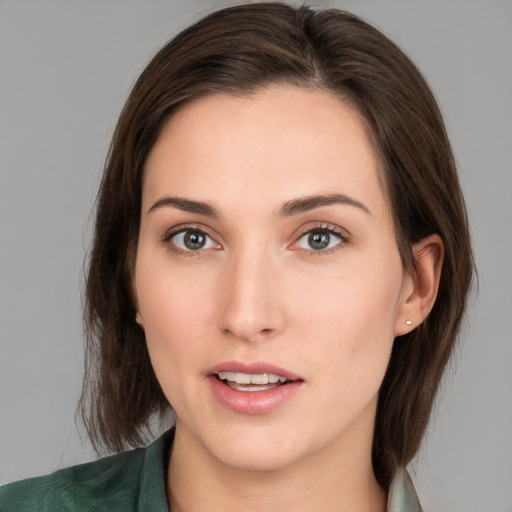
[198,482]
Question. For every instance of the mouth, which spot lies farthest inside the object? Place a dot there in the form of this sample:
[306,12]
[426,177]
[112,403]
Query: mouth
[252,382]
[252,388]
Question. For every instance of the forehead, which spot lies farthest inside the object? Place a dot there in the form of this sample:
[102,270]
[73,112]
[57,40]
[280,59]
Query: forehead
[280,142]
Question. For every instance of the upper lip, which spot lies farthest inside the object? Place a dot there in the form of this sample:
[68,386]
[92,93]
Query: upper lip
[254,368]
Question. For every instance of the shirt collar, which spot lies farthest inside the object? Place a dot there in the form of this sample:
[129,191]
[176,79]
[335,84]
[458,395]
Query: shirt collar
[402,497]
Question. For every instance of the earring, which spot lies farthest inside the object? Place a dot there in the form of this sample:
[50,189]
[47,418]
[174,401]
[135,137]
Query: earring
[138,318]
[408,322]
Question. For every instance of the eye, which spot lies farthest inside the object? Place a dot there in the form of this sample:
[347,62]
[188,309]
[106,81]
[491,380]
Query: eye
[192,240]
[320,239]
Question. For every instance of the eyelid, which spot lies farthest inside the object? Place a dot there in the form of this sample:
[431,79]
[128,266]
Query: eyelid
[341,233]
[182,228]
[344,236]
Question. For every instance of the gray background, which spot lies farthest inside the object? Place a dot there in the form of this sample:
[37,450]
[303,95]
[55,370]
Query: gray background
[66,67]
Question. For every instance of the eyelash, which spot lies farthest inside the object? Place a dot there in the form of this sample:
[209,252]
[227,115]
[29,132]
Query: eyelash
[169,235]
[342,235]
[344,238]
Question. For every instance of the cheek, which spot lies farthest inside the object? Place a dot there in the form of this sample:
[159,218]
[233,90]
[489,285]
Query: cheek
[174,299]
[175,309]
[350,322]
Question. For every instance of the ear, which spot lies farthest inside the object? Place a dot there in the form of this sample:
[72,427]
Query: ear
[419,290]
[135,301]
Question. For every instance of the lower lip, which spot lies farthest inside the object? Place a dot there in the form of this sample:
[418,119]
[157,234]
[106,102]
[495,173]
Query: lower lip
[253,402]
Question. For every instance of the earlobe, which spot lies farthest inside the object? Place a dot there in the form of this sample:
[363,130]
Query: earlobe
[135,300]
[420,289]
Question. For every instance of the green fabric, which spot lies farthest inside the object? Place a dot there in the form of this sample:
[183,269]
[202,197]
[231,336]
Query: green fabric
[133,481]
[130,481]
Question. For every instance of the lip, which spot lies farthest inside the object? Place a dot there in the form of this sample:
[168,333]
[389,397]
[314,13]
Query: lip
[254,402]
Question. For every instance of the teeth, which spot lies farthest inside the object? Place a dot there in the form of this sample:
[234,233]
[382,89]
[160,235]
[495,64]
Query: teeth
[258,379]
[245,378]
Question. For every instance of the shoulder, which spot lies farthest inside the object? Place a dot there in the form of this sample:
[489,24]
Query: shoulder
[91,486]
[133,480]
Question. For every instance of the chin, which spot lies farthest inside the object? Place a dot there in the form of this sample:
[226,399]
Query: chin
[254,449]
[255,460]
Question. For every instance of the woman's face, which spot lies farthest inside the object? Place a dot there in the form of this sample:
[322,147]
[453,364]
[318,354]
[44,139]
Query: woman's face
[267,252]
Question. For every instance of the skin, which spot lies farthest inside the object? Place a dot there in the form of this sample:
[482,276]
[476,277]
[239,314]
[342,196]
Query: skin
[258,291]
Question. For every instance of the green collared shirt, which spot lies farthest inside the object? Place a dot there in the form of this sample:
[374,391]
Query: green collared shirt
[132,481]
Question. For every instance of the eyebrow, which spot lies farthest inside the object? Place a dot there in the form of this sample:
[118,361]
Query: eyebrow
[308,203]
[293,207]
[186,205]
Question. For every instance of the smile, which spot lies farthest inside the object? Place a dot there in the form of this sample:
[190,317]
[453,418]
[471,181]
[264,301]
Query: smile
[251,382]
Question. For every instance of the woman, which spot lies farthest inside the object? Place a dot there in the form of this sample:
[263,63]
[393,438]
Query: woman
[282,255]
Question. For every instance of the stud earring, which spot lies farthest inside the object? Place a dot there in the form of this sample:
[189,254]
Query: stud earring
[138,318]
[408,322]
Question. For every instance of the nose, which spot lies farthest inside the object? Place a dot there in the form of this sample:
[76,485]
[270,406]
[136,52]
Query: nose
[252,303]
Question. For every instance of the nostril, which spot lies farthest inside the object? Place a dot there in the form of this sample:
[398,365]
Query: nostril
[246,335]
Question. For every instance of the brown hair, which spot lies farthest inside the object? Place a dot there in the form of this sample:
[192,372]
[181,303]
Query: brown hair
[239,50]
